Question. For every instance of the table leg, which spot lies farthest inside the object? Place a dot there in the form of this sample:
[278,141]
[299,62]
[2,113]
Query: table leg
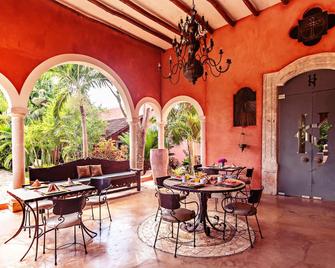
[36,217]
[203,213]
[22,222]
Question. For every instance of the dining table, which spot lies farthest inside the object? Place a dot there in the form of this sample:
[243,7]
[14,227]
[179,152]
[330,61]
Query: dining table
[227,170]
[203,222]
[28,195]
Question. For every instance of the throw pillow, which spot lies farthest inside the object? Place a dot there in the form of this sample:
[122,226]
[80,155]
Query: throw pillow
[83,171]
[96,170]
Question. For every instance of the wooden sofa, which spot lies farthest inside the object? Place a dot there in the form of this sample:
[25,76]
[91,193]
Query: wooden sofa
[120,174]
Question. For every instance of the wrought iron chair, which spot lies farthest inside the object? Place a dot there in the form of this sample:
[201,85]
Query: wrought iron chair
[169,202]
[68,213]
[43,208]
[159,182]
[101,185]
[245,209]
[247,178]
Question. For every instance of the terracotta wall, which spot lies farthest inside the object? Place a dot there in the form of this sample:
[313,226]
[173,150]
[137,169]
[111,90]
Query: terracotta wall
[32,31]
[256,45]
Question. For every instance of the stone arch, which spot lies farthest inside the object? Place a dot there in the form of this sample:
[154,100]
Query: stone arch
[153,103]
[84,60]
[271,82]
[169,105]
[9,91]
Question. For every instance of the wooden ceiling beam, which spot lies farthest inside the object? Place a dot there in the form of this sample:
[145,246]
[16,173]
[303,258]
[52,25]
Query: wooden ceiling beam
[150,16]
[222,12]
[251,7]
[131,20]
[285,2]
[188,10]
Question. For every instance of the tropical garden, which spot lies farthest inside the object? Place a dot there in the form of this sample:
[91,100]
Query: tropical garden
[63,123]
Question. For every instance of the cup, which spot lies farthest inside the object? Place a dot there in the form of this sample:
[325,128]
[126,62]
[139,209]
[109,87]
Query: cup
[220,179]
[183,179]
[203,180]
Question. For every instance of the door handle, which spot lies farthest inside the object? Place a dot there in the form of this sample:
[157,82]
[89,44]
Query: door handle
[305,159]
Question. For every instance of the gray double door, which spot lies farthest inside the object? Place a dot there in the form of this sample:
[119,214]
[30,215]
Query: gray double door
[307,135]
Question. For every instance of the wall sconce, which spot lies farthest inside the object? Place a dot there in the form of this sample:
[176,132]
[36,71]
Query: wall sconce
[242,143]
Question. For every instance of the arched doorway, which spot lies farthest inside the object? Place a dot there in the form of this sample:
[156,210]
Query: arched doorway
[21,103]
[272,81]
[148,131]
[186,99]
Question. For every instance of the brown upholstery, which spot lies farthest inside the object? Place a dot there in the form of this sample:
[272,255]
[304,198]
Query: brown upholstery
[245,180]
[94,200]
[43,204]
[83,171]
[96,170]
[241,209]
[180,214]
[69,220]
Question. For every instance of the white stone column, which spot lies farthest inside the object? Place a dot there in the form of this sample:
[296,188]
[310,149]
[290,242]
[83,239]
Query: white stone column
[133,123]
[161,134]
[203,140]
[18,153]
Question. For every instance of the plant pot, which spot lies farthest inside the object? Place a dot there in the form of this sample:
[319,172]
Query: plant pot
[159,160]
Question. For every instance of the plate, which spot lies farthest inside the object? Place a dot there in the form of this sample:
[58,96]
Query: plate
[69,185]
[56,192]
[36,187]
[191,185]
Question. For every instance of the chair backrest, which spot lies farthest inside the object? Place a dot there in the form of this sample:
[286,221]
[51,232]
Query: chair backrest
[168,200]
[159,181]
[100,184]
[249,172]
[69,205]
[197,167]
[255,196]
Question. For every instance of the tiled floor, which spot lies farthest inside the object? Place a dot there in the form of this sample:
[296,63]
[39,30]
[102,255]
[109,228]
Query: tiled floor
[298,233]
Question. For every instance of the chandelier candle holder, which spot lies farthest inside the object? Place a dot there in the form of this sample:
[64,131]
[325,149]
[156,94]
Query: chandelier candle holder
[192,52]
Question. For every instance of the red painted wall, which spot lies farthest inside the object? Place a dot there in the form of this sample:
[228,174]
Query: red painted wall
[32,31]
[256,45]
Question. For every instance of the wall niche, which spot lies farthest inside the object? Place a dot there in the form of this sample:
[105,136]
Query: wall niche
[245,107]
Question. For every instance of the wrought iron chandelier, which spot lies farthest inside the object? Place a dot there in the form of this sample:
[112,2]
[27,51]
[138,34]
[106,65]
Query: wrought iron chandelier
[192,52]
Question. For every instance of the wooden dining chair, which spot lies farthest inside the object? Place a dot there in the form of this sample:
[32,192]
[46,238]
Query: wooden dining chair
[68,213]
[244,209]
[100,198]
[172,212]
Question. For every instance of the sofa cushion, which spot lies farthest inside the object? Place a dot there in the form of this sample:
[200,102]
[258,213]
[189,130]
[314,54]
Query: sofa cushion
[96,170]
[83,171]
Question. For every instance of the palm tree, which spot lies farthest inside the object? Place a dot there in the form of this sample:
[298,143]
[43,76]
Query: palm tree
[75,81]
[183,124]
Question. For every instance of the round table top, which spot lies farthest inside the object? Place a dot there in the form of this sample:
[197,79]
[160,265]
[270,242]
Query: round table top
[208,188]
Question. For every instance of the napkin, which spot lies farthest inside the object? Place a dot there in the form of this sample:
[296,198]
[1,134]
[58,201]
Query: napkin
[36,183]
[53,188]
[69,181]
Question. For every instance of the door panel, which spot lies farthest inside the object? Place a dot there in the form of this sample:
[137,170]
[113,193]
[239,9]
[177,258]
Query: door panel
[323,175]
[294,156]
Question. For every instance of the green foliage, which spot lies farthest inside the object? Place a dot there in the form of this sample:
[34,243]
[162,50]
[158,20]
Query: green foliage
[151,141]
[106,149]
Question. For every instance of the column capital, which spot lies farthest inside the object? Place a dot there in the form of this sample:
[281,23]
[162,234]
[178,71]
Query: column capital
[18,111]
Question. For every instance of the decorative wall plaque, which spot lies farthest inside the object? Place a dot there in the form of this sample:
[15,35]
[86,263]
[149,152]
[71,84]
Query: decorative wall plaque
[245,107]
[314,24]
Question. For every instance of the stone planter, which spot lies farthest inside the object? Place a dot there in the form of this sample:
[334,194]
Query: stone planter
[159,160]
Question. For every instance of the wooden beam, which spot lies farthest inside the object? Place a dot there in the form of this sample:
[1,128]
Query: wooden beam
[222,11]
[131,20]
[188,10]
[150,16]
[104,23]
[251,7]
[285,2]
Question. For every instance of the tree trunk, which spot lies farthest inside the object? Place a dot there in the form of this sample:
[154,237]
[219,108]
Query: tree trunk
[190,146]
[141,132]
[84,131]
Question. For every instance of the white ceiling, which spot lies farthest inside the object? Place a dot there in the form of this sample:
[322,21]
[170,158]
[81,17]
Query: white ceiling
[165,10]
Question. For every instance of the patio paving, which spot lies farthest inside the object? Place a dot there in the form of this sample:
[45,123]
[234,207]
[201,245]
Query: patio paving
[297,233]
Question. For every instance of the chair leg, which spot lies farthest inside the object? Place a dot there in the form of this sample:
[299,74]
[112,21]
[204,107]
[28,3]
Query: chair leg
[259,227]
[100,216]
[246,219]
[92,212]
[44,238]
[172,229]
[55,246]
[175,251]
[159,225]
[194,232]
[109,213]
[82,233]
[158,209]
[29,229]
[224,225]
